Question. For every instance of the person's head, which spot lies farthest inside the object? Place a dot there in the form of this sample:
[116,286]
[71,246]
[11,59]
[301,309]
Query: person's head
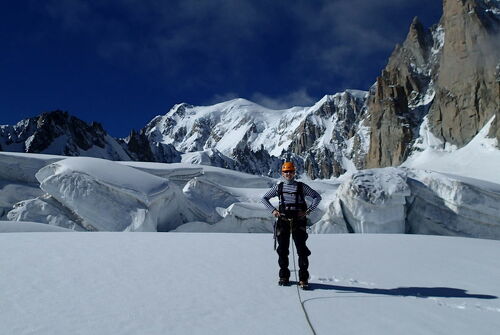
[288,170]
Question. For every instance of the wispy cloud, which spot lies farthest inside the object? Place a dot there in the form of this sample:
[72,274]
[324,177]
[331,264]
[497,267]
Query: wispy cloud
[221,98]
[246,43]
[295,98]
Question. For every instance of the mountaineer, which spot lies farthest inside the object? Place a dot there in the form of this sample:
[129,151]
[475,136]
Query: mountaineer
[291,220]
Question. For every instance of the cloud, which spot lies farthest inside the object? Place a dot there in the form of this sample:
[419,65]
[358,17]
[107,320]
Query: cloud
[350,35]
[72,14]
[222,98]
[242,42]
[296,98]
[299,97]
[207,43]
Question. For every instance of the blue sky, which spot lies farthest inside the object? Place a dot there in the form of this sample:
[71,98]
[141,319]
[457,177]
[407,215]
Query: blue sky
[122,62]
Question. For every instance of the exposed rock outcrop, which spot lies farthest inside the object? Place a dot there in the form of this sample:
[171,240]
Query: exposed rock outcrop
[399,99]
[59,133]
[467,88]
[140,148]
[449,72]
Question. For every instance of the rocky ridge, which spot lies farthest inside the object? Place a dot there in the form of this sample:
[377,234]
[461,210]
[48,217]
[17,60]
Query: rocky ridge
[59,133]
[448,74]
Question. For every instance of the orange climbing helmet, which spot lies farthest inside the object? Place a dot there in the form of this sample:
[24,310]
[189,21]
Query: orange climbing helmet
[287,166]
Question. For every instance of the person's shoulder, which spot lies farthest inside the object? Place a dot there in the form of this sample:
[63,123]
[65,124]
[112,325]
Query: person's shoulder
[275,186]
[304,185]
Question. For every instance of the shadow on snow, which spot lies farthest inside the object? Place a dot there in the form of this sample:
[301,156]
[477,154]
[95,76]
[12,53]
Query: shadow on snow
[419,292]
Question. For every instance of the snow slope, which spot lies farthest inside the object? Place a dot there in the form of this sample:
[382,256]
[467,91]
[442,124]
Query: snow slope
[165,283]
[479,159]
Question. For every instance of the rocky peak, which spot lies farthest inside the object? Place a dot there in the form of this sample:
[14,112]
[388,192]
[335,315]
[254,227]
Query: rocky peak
[397,101]
[447,73]
[467,89]
[59,133]
[419,42]
[52,125]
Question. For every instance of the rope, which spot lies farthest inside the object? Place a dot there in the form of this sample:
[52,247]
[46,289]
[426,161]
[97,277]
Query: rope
[296,280]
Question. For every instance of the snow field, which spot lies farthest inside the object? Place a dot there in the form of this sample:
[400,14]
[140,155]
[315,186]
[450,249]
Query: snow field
[157,283]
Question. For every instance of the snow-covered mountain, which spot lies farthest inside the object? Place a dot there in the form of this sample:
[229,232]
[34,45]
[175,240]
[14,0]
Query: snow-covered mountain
[242,135]
[444,79]
[237,134]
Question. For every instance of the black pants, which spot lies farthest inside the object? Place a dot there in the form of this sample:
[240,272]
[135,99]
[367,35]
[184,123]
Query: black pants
[299,234]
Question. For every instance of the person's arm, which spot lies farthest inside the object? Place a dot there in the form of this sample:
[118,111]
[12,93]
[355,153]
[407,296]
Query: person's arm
[273,192]
[308,191]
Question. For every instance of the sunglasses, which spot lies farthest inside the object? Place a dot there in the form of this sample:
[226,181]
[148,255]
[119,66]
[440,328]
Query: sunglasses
[286,172]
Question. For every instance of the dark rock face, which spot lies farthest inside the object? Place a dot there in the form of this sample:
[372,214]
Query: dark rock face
[55,124]
[138,147]
[321,149]
[322,164]
[449,73]
[467,88]
[256,162]
[396,102]
[59,133]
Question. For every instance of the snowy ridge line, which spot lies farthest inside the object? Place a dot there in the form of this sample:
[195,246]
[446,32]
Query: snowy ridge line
[174,172]
[238,131]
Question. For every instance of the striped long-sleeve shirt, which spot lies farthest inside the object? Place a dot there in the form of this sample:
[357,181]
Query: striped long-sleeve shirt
[289,197]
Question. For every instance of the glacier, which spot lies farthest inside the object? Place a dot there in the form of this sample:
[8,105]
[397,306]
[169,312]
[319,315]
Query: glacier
[91,194]
[102,195]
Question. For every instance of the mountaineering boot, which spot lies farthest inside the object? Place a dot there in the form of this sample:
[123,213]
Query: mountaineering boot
[284,282]
[304,284]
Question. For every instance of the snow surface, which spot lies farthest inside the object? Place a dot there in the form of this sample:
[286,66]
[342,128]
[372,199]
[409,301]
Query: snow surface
[165,283]
[479,159]
[29,227]
[197,283]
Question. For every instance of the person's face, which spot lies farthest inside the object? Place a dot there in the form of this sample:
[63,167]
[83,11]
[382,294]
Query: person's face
[288,175]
